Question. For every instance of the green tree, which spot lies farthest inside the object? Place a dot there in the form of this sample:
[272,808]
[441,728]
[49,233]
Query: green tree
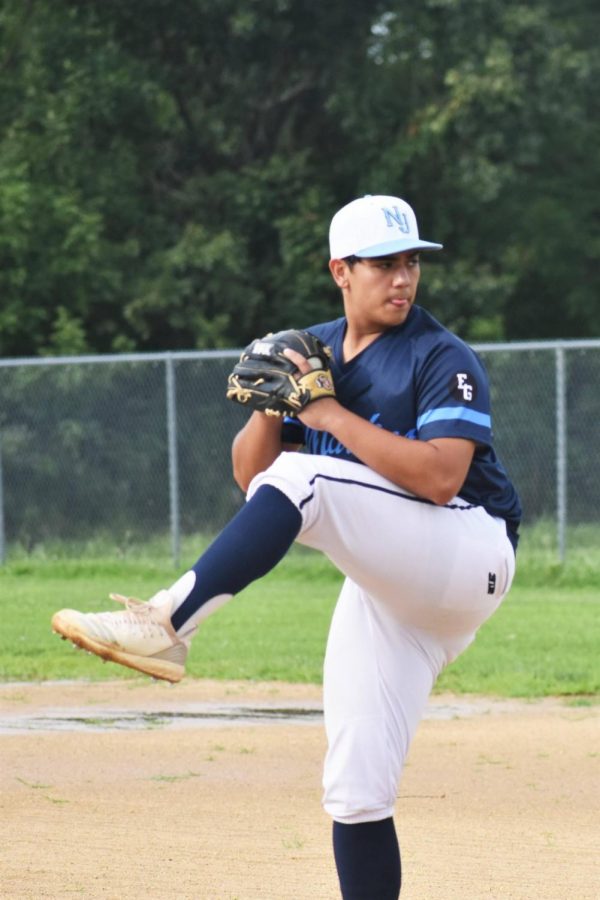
[165,160]
[492,130]
[168,168]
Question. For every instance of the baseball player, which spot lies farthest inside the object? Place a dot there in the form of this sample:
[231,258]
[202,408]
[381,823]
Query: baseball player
[384,463]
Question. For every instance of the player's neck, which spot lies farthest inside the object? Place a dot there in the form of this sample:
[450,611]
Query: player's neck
[355,341]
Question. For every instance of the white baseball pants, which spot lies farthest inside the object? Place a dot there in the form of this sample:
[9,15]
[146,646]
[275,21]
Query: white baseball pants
[420,580]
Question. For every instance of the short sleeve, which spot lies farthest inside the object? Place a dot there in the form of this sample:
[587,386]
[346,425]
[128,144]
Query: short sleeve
[453,398]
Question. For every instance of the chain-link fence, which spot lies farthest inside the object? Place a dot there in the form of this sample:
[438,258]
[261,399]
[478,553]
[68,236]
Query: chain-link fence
[132,447]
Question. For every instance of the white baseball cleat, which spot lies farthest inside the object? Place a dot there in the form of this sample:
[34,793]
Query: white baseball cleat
[141,636]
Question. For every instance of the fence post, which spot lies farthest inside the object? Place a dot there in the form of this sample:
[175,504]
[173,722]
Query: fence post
[173,460]
[561,452]
[2,534]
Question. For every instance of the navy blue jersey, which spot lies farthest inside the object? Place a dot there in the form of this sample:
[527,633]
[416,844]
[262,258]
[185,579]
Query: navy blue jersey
[421,381]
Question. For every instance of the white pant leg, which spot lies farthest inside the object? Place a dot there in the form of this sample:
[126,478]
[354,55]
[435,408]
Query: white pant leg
[377,678]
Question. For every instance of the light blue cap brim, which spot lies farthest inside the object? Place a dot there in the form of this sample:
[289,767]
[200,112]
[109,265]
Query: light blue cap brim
[399,246]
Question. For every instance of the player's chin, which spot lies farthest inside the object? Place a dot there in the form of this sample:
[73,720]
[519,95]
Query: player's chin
[396,312]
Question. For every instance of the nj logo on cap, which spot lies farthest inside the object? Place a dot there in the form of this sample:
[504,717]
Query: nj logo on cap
[395,217]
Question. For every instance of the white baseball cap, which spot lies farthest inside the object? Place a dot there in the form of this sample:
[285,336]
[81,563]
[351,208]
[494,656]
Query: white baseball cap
[375,226]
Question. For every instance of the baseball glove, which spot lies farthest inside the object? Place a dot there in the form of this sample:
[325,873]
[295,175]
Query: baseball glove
[266,380]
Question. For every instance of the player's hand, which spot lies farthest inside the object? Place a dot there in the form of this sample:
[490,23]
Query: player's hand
[301,362]
[318,413]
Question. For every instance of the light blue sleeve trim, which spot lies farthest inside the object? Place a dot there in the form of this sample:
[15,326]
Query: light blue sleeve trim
[446,413]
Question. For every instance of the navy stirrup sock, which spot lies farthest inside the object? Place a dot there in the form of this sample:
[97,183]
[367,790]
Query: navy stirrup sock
[367,857]
[252,544]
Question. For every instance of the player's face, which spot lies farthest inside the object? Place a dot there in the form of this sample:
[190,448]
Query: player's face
[380,292]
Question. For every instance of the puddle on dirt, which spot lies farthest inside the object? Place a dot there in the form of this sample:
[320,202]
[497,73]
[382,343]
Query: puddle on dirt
[197,716]
[134,720]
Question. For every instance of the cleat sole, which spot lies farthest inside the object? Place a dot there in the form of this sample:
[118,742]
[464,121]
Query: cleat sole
[161,670]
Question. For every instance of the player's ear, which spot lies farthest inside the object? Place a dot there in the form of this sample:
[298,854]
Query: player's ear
[340,271]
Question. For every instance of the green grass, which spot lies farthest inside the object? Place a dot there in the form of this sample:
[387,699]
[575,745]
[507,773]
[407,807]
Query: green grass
[542,641]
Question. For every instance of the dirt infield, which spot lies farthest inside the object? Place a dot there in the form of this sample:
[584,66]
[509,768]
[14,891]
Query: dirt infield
[133,790]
